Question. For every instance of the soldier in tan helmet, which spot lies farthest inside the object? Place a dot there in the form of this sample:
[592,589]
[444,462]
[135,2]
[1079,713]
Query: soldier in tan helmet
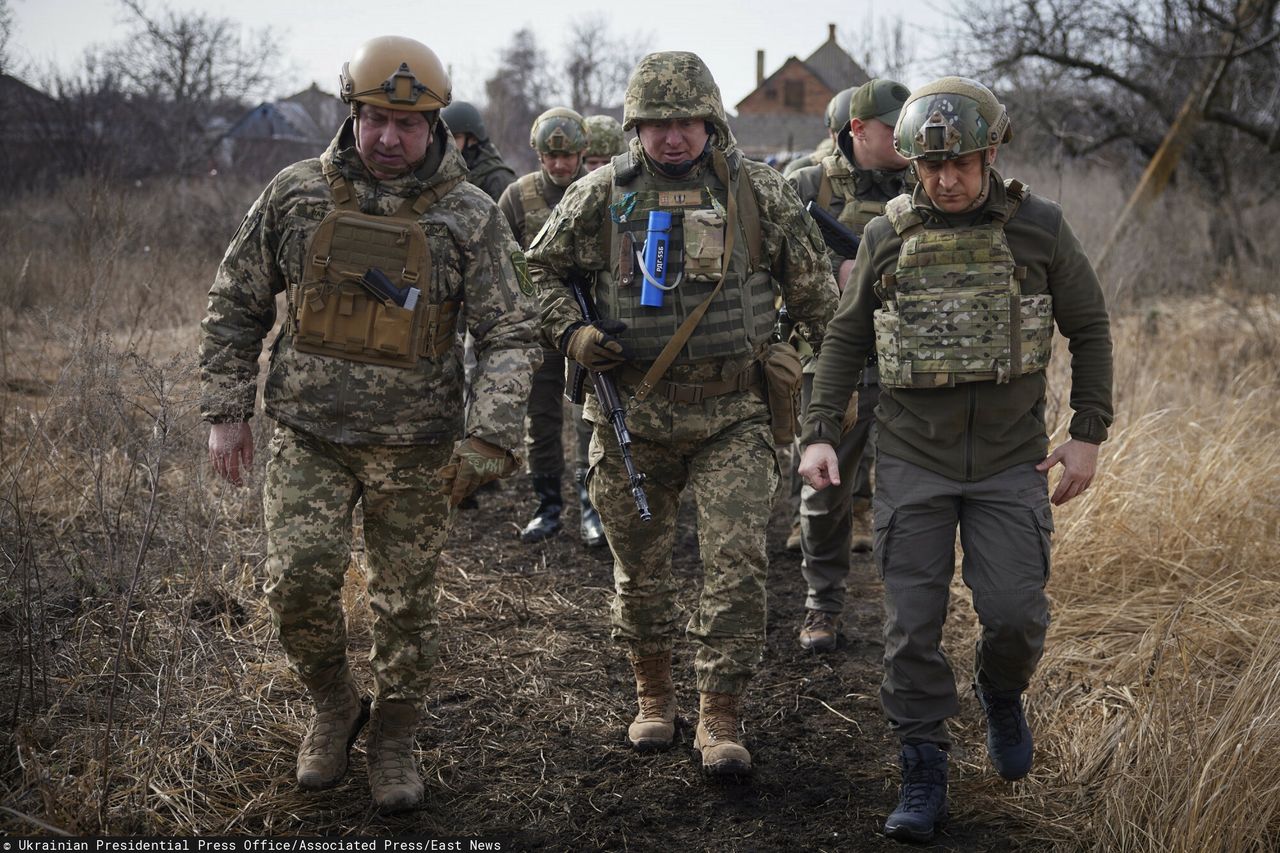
[383,252]
[957,290]
[693,370]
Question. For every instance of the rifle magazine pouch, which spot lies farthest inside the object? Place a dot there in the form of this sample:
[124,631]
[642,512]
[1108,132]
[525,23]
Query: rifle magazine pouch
[783,376]
[392,330]
[703,245]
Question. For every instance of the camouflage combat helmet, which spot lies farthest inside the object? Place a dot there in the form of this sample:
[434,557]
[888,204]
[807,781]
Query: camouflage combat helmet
[949,118]
[559,130]
[606,137]
[396,73]
[837,115]
[674,84]
[463,117]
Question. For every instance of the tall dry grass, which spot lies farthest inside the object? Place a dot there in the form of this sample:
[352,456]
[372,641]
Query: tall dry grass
[145,692]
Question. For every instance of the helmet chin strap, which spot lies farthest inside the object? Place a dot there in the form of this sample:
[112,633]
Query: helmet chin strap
[684,167]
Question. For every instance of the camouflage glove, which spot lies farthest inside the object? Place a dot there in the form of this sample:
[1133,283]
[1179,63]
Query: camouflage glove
[474,462]
[595,347]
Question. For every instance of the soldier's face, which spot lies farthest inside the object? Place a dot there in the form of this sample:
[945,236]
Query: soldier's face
[592,163]
[674,140]
[561,167]
[955,186]
[873,145]
[391,142]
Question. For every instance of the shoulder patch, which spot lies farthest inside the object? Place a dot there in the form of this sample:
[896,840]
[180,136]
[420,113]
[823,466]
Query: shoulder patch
[521,266]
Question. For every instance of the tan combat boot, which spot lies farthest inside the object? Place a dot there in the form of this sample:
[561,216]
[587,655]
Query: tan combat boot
[719,737]
[820,631]
[393,769]
[861,541]
[340,714]
[654,727]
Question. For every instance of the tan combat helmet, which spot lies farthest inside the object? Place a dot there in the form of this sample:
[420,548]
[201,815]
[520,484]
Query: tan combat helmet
[675,84]
[949,118]
[395,73]
[559,130]
[605,136]
[837,114]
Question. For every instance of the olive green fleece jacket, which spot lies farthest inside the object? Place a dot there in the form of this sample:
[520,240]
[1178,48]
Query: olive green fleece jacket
[973,430]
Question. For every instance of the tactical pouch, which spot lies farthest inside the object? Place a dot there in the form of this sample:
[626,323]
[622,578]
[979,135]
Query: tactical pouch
[783,377]
[703,245]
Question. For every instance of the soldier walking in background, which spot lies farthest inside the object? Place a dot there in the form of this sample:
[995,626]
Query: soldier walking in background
[485,166]
[380,247]
[605,140]
[559,136]
[853,184]
[698,416]
[957,289]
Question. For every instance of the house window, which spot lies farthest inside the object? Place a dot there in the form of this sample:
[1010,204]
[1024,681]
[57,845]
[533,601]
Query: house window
[793,94]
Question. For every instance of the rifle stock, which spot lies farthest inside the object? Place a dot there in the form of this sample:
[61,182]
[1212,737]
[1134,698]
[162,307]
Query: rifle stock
[610,401]
[839,239]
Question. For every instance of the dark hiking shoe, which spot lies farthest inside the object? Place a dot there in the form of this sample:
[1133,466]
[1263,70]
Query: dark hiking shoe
[819,631]
[546,518]
[589,527]
[1009,744]
[922,799]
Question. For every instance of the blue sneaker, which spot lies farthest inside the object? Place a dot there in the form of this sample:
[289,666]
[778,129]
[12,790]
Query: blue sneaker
[1009,743]
[922,803]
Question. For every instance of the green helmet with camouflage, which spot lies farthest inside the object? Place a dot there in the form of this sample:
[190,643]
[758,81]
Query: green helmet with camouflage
[605,136]
[463,117]
[559,130]
[675,84]
[837,115]
[949,118]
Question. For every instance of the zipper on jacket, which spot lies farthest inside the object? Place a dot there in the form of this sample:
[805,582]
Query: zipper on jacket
[968,432]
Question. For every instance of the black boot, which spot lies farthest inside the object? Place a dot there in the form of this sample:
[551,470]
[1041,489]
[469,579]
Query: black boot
[546,519]
[591,528]
[1009,743]
[922,803]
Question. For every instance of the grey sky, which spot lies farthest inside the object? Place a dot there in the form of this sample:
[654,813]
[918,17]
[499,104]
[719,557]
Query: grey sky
[317,35]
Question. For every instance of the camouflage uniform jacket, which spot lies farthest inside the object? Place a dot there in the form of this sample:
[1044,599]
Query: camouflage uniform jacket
[349,402]
[790,243]
[972,430]
[512,205]
[487,169]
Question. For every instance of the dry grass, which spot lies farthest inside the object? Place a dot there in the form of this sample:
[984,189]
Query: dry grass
[146,693]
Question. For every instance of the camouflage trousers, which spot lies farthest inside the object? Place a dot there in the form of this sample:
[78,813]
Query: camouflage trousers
[312,487]
[826,526]
[545,422]
[721,448]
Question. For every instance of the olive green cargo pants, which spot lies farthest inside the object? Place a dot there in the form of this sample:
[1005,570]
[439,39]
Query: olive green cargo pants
[1005,525]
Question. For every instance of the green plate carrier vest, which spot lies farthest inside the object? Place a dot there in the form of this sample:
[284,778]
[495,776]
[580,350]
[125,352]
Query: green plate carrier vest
[953,310]
[534,203]
[837,177]
[740,319]
[332,314]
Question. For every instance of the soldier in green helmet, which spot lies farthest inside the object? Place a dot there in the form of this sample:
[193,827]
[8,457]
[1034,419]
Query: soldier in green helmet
[957,290]
[833,119]
[382,251]
[853,184]
[560,138]
[691,368]
[485,166]
[606,141]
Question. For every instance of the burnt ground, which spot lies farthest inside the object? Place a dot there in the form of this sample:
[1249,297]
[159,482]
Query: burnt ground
[825,766]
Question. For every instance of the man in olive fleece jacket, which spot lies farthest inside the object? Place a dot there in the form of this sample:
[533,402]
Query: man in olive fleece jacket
[962,436]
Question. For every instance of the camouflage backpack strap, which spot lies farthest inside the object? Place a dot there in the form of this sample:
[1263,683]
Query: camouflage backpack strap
[340,186]
[415,207]
[749,214]
[825,192]
[531,197]
[903,216]
[1015,193]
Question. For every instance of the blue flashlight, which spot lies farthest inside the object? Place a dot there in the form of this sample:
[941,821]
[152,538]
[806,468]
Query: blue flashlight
[656,243]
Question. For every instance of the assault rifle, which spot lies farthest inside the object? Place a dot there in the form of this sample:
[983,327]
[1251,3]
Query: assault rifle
[607,393]
[839,239]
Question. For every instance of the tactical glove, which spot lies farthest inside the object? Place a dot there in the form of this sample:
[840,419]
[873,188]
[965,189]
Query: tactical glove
[594,346]
[474,462]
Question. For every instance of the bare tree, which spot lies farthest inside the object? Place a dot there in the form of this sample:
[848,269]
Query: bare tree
[519,90]
[1112,75]
[882,47]
[598,64]
[6,35]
